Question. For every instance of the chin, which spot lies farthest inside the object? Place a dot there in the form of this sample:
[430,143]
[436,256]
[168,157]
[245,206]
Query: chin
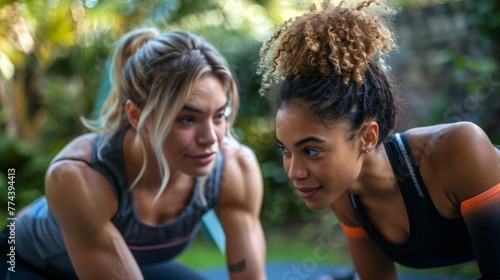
[199,171]
[315,206]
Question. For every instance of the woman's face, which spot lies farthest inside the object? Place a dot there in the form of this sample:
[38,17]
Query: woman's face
[198,130]
[318,159]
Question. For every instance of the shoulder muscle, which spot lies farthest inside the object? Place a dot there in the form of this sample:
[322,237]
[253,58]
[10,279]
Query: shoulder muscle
[77,194]
[242,179]
[461,157]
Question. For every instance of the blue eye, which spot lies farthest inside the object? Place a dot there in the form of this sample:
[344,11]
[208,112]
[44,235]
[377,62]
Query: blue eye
[283,149]
[311,152]
[220,116]
[186,120]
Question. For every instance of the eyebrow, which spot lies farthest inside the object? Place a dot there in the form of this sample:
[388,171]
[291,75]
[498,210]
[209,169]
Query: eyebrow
[196,110]
[304,141]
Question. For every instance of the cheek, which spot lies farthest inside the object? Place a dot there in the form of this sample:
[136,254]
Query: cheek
[286,163]
[178,139]
[342,169]
[220,131]
[346,171]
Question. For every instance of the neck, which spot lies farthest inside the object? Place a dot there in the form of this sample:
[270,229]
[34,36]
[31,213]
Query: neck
[376,177]
[151,179]
[134,156]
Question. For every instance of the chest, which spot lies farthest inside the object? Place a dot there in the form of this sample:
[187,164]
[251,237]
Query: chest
[171,203]
[389,216]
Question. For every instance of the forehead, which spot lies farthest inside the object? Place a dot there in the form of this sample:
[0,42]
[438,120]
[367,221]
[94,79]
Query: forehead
[292,122]
[293,119]
[208,89]
[291,113]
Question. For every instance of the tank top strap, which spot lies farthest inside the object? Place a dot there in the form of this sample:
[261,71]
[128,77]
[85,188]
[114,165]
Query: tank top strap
[74,159]
[411,184]
[107,159]
[412,189]
[404,166]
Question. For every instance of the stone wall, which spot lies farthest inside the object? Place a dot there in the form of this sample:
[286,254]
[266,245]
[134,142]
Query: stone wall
[421,67]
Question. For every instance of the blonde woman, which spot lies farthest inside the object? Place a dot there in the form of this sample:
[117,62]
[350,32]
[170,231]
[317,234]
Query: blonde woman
[426,197]
[122,203]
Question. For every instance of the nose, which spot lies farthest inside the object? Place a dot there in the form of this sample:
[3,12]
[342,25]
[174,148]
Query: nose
[207,134]
[295,169]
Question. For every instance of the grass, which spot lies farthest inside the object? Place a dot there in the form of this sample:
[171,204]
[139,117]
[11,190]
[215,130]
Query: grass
[280,246]
[201,254]
[283,246]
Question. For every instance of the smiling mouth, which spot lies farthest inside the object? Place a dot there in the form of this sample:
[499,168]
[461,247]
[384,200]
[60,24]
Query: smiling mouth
[308,193]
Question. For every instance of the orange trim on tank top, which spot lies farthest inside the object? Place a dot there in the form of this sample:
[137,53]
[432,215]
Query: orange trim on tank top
[353,231]
[480,197]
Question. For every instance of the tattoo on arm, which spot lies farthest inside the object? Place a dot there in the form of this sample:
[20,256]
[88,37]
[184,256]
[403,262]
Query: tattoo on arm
[237,267]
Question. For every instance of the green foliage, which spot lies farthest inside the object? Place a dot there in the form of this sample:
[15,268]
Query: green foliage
[62,70]
[29,165]
[478,74]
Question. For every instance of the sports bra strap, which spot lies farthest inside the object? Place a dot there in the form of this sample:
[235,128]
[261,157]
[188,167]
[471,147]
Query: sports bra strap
[74,159]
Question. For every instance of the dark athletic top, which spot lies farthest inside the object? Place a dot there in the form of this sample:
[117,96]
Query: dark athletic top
[39,240]
[433,241]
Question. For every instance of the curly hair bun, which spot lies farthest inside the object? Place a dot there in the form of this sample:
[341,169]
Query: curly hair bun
[336,39]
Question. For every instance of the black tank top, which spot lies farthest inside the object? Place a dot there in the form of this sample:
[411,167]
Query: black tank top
[433,241]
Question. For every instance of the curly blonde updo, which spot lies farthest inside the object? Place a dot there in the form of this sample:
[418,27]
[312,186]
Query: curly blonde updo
[331,60]
[335,39]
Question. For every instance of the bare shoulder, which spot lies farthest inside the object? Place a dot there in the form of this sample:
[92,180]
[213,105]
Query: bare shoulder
[240,155]
[448,141]
[242,178]
[458,156]
[71,185]
[450,133]
[80,147]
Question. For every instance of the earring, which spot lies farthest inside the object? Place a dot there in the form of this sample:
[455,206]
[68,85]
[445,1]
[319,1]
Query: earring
[366,152]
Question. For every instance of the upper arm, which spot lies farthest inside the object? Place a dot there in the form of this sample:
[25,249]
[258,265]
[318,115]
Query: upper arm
[239,211]
[369,261]
[83,208]
[465,162]
[476,177]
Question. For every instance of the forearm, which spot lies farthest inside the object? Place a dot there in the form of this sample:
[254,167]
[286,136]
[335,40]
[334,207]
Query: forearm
[104,256]
[370,262]
[246,257]
[105,268]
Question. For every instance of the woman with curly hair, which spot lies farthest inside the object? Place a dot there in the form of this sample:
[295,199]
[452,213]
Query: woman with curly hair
[426,197]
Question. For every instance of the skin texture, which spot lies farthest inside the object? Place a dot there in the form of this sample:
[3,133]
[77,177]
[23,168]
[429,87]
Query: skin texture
[457,161]
[83,202]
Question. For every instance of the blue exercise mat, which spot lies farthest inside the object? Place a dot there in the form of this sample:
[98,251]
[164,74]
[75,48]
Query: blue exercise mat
[309,271]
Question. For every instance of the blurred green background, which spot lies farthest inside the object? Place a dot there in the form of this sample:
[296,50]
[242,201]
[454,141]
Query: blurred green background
[53,56]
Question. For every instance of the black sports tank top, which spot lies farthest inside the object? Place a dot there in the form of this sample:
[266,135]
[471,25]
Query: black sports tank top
[433,240]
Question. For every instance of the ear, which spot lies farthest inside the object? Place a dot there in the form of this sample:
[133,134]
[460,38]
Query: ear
[133,113]
[369,136]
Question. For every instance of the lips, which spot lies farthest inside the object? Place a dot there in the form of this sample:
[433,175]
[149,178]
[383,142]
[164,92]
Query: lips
[204,159]
[307,193]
